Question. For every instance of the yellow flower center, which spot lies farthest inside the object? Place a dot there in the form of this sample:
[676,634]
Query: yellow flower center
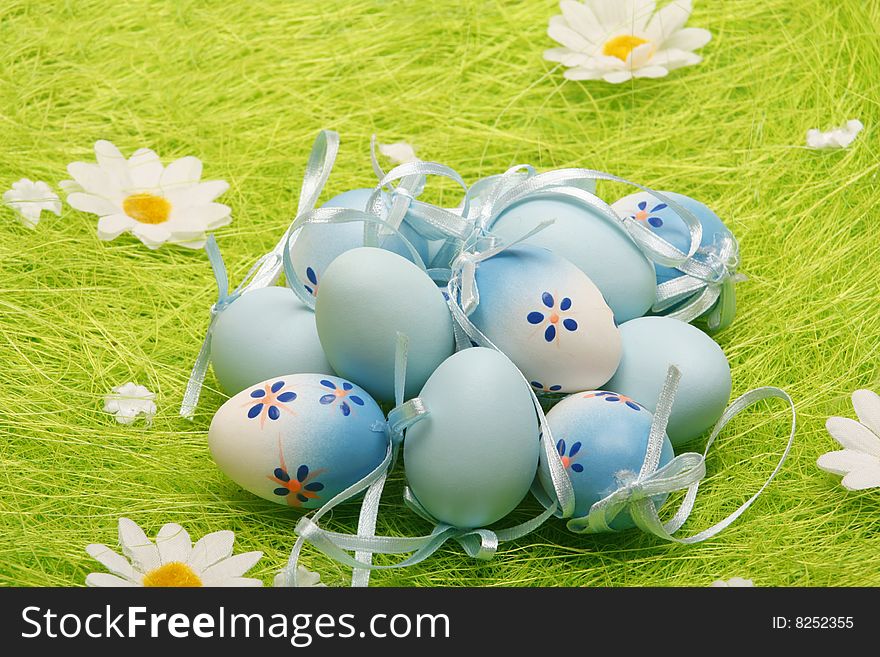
[172,574]
[621,46]
[147,208]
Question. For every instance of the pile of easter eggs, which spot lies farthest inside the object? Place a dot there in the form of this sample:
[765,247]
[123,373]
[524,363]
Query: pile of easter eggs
[564,315]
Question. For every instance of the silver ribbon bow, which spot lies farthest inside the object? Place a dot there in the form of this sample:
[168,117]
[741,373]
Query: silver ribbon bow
[705,286]
[685,472]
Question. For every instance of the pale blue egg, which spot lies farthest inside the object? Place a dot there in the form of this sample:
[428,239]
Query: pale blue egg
[473,458]
[317,245]
[548,317]
[599,436]
[650,346]
[598,247]
[367,296]
[667,223]
[264,333]
[298,439]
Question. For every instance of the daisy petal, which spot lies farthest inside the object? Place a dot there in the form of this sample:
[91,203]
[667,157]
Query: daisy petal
[173,543]
[113,561]
[616,77]
[153,235]
[640,56]
[112,226]
[107,580]
[867,406]
[673,59]
[611,14]
[583,73]
[688,38]
[145,169]
[198,194]
[95,180]
[93,204]
[639,12]
[234,566]
[137,547]
[210,549]
[862,479]
[568,37]
[650,72]
[669,20]
[111,160]
[203,217]
[845,461]
[582,19]
[853,435]
[184,172]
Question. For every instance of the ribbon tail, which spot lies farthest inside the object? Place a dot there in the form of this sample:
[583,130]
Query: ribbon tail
[197,377]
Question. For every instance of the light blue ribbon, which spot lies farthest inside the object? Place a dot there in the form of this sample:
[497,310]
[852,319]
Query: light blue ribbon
[684,472]
[224,299]
[266,270]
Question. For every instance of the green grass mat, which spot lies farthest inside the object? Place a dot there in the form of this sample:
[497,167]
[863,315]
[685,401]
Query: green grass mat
[246,86]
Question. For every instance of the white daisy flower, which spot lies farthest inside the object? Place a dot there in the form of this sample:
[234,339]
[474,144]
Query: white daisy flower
[156,204]
[29,199]
[837,138]
[733,582]
[130,400]
[616,40]
[399,152]
[859,460]
[304,578]
[173,560]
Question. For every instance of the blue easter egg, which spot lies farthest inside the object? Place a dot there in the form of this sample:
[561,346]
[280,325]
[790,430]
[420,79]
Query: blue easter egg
[473,458]
[598,247]
[599,436]
[650,346]
[548,317]
[317,245]
[667,223]
[264,333]
[298,439]
[367,296]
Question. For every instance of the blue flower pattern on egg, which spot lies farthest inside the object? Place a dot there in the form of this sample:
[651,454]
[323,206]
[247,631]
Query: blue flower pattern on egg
[300,489]
[313,279]
[568,459]
[552,317]
[340,394]
[614,398]
[269,401]
[537,385]
[644,214]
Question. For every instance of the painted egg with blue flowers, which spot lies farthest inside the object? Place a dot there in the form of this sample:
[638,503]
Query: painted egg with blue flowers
[601,437]
[600,248]
[650,346]
[662,219]
[473,458]
[370,295]
[298,439]
[548,317]
[264,333]
[317,245]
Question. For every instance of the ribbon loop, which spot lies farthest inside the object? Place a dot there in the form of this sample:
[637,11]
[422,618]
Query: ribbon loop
[685,472]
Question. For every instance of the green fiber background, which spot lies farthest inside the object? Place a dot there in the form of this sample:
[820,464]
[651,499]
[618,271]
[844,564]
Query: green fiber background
[246,86]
